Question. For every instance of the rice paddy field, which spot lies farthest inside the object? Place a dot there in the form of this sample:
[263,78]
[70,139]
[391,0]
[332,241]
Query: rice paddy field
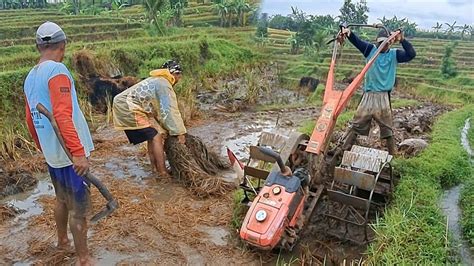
[412,230]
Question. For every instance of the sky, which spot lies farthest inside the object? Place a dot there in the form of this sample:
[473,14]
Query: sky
[424,12]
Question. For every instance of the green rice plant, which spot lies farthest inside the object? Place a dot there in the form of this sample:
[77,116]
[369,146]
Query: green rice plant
[25,32]
[239,210]
[256,86]
[281,261]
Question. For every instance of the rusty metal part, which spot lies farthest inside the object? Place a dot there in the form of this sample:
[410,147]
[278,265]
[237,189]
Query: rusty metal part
[362,169]
[291,235]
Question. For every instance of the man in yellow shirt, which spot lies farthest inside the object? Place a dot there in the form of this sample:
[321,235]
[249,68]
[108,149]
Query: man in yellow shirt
[152,99]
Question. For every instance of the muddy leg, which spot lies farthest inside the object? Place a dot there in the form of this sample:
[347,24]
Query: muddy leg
[390,142]
[350,139]
[78,226]
[61,217]
[158,153]
[150,154]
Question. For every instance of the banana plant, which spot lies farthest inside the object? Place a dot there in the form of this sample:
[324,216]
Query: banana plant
[451,29]
[294,42]
[222,10]
[464,29]
[242,7]
[437,28]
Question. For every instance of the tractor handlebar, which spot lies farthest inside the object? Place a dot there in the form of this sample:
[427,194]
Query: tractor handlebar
[345,25]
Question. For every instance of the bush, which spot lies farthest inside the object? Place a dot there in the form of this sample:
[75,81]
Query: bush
[448,66]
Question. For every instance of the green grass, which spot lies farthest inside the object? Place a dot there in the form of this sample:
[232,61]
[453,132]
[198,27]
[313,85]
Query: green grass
[201,58]
[467,206]
[239,210]
[467,199]
[413,229]
[16,32]
[399,103]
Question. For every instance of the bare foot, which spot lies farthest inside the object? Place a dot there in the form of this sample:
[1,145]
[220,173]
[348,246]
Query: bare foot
[164,175]
[64,244]
[87,261]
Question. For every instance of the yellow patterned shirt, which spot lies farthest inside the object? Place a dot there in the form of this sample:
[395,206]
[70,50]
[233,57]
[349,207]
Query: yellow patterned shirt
[153,97]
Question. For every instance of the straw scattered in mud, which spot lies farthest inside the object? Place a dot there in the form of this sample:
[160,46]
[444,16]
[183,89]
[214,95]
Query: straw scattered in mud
[197,167]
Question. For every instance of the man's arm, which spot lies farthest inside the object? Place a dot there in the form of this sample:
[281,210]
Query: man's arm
[169,111]
[364,47]
[408,52]
[60,92]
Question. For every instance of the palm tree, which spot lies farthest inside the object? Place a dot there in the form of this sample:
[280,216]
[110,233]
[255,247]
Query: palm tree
[437,27]
[450,30]
[152,8]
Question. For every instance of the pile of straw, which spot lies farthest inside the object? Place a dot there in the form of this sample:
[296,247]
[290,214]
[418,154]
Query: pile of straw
[7,212]
[197,167]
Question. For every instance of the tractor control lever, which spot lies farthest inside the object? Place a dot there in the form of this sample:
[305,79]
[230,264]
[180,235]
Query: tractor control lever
[271,153]
[345,25]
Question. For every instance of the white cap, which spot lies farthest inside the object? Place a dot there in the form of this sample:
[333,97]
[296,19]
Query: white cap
[49,32]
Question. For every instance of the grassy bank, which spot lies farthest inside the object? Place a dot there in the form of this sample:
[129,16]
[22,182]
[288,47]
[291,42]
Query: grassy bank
[467,206]
[467,199]
[413,229]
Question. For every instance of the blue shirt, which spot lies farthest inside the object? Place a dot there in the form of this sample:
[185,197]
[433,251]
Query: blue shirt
[37,90]
[381,76]
[382,73]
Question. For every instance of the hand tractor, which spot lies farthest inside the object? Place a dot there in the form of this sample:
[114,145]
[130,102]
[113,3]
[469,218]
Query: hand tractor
[284,202]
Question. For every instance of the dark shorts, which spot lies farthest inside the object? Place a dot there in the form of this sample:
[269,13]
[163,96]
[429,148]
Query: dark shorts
[141,135]
[71,189]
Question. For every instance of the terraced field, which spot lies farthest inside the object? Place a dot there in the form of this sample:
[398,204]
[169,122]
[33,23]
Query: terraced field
[122,37]
[122,29]
[423,71]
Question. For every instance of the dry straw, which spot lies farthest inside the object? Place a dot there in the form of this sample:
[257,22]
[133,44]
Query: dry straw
[196,166]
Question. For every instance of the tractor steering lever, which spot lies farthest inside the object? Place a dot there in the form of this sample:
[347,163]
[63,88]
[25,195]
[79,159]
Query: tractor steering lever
[274,155]
[345,25]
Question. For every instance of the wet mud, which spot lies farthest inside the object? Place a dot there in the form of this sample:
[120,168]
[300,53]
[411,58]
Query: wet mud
[160,221]
[15,181]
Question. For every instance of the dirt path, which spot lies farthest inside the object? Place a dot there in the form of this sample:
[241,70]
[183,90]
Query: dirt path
[160,221]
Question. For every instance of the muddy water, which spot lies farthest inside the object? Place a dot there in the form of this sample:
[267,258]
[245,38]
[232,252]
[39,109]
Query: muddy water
[450,206]
[27,203]
[239,131]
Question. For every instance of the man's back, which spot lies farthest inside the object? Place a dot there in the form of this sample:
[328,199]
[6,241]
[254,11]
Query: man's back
[62,101]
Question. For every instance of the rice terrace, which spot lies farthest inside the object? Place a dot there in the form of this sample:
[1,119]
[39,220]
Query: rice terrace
[236,132]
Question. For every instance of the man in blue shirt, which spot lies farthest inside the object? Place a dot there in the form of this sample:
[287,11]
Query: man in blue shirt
[379,82]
